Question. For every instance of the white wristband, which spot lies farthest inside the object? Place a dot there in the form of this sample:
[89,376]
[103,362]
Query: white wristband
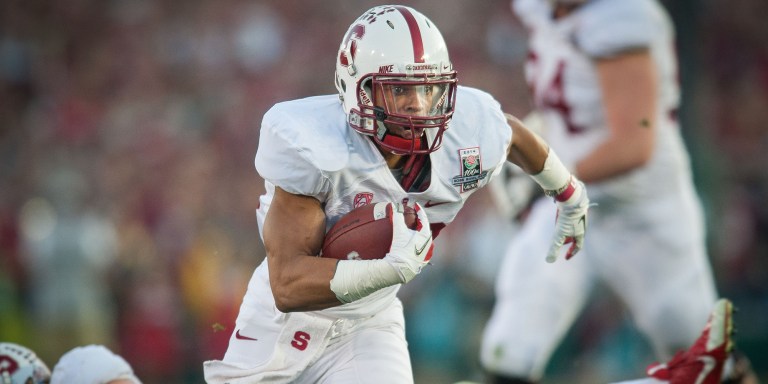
[355,279]
[554,176]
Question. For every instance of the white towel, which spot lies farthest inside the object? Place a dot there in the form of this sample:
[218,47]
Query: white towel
[288,360]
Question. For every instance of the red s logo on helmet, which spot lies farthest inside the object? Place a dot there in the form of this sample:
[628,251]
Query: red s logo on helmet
[8,365]
[350,41]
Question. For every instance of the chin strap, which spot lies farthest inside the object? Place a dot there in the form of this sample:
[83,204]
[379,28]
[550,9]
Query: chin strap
[393,140]
[401,143]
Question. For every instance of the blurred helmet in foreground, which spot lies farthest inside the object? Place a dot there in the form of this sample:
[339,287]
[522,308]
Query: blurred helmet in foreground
[19,365]
[92,364]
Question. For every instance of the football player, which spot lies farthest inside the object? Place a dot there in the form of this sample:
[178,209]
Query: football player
[399,130]
[603,74]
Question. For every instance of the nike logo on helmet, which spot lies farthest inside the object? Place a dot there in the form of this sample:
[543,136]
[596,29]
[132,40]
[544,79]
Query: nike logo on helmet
[241,337]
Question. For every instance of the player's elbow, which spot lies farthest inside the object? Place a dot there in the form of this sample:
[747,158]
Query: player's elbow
[282,293]
[642,153]
[283,305]
[641,158]
[284,300]
[635,151]
[630,161]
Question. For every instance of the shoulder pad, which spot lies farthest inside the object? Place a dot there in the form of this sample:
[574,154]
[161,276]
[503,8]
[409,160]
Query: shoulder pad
[609,27]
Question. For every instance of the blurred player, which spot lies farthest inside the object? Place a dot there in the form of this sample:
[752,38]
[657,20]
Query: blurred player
[400,130]
[604,79]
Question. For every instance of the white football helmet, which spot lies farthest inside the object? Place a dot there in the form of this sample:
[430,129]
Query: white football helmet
[19,365]
[389,57]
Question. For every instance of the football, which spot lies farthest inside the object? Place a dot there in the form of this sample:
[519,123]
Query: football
[364,233]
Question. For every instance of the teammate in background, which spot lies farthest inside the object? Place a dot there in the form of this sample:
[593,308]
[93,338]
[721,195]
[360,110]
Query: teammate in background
[20,365]
[92,364]
[400,130]
[604,79]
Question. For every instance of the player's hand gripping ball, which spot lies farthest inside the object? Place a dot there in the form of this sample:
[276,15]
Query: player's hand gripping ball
[365,233]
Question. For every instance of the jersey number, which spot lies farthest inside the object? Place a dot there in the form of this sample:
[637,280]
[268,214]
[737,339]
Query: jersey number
[552,95]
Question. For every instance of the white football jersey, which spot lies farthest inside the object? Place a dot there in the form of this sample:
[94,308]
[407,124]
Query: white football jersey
[563,78]
[306,147]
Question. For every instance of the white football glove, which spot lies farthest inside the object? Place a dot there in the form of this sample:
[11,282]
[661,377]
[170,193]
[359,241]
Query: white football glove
[411,249]
[572,206]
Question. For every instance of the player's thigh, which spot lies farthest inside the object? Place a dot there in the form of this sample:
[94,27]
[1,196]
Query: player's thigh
[536,302]
[366,356]
[661,271]
[526,278]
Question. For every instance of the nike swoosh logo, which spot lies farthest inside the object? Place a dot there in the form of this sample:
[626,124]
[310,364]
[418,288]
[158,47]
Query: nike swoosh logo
[420,250]
[432,204]
[241,337]
[709,365]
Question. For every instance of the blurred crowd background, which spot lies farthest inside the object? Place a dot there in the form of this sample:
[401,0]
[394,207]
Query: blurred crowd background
[128,192]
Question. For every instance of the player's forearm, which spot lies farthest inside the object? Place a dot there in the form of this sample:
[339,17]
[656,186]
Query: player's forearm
[615,157]
[527,150]
[356,279]
[532,154]
[294,229]
[302,283]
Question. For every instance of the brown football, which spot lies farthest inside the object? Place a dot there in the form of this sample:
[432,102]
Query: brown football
[364,233]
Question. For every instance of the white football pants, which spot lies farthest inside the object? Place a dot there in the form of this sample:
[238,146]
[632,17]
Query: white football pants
[274,347]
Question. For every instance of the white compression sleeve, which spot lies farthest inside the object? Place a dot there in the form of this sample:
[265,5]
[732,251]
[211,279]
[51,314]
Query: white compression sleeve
[355,279]
[554,176]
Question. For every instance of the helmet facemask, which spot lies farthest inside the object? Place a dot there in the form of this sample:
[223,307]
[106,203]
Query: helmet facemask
[405,114]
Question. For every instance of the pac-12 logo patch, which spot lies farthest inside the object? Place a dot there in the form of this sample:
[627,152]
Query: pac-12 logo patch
[362,199]
[471,170]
